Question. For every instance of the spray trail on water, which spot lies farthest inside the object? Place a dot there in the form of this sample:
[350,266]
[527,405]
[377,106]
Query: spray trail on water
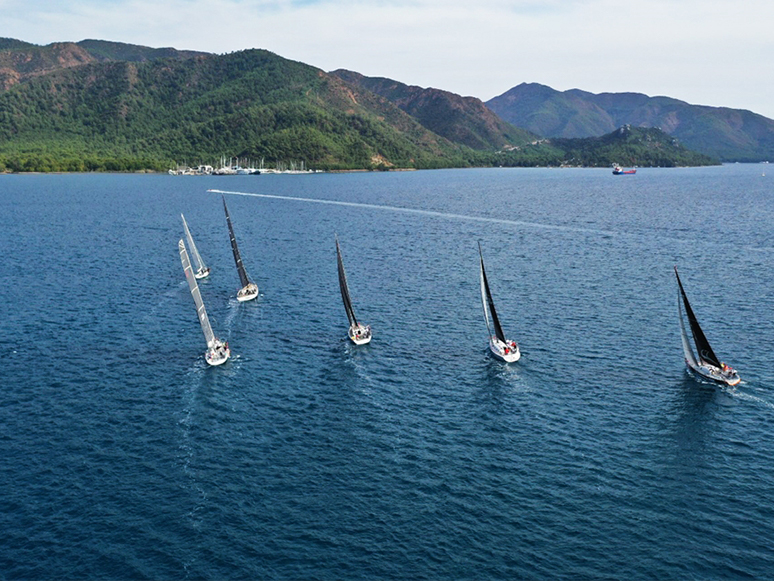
[420,212]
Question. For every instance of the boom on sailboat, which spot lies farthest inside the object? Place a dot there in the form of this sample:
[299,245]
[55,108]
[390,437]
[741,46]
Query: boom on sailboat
[249,289]
[217,351]
[703,360]
[501,348]
[202,270]
[359,334]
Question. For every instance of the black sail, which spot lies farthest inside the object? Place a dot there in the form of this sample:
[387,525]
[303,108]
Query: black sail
[706,354]
[495,321]
[344,288]
[237,258]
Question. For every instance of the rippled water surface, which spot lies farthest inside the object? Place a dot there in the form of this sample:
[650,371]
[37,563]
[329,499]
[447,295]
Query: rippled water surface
[418,456]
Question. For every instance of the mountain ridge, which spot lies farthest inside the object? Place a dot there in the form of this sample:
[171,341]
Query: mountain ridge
[21,60]
[101,105]
[465,120]
[722,132]
[247,103]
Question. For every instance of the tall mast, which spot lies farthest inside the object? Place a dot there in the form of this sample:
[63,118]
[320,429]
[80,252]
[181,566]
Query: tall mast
[197,297]
[687,350]
[488,296]
[483,291]
[235,249]
[197,259]
[706,354]
[344,287]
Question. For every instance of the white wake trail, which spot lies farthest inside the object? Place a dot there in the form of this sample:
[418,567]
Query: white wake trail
[749,397]
[420,212]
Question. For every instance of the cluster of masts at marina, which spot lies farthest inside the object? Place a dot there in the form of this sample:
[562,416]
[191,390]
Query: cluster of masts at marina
[241,167]
[699,356]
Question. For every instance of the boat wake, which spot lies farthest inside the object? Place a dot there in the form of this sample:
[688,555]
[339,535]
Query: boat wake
[186,448]
[510,376]
[447,215]
[233,311]
[353,356]
[485,219]
[743,395]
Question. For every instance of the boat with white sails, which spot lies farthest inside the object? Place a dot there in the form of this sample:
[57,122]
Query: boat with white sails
[703,360]
[217,351]
[202,270]
[502,348]
[249,289]
[359,334]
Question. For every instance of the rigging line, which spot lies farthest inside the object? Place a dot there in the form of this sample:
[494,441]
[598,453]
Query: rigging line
[421,212]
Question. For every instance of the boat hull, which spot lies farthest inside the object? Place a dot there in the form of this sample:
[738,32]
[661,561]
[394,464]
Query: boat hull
[713,373]
[202,273]
[508,353]
[247,293]
[218,354]
[360,338]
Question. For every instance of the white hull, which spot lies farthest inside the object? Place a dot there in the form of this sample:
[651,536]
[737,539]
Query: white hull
[508,353]
[360,335]
[202,273]
[218,354]
[714,374]
[247,293]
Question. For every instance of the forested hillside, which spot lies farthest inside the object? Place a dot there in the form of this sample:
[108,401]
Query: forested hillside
[630,146]
[464,120]
[98,105]
[123,115]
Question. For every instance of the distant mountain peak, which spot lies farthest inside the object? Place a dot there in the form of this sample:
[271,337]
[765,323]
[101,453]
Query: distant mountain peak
[728,134]
[20,60]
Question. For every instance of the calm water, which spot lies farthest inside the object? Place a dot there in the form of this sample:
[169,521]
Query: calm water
[418,456]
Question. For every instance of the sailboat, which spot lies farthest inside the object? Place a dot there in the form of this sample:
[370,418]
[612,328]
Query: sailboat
[358,333]
[202,271]
[500,347]
[703,361]
[217,351]
[249,289]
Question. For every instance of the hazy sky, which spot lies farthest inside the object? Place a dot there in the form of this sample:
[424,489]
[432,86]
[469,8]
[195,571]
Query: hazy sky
[707,52]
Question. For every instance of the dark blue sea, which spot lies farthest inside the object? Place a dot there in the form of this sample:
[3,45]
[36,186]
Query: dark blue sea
[418,456]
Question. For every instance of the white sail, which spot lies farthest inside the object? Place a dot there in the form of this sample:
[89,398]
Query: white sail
[197,259]
[197,297]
